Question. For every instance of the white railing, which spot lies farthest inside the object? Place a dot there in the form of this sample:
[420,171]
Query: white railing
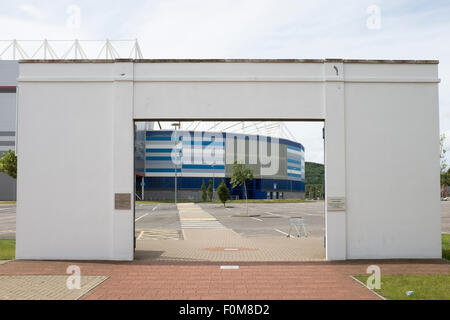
[69,49]
[268,128]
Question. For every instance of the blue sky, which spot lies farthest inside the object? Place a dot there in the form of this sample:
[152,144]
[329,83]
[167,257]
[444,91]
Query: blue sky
[251,29]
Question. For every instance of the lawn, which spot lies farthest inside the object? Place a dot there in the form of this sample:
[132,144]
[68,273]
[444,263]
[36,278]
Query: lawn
[425,286]
[446,246]
[7,202]
[7,249]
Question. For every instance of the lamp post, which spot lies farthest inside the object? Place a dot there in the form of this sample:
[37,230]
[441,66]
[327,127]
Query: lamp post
[176,125]
[214,179]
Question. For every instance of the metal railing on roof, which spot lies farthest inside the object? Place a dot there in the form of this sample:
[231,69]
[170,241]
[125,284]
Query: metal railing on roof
[69,49]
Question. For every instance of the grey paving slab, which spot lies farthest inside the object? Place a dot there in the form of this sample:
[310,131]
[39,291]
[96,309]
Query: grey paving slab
[45,287]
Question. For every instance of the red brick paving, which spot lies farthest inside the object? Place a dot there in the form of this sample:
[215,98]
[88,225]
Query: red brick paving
[159,280]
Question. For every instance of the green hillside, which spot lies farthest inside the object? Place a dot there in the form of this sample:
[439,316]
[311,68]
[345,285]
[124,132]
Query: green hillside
[314,180]
[314,173]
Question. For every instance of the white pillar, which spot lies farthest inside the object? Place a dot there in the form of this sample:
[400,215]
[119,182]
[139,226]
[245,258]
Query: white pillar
[335,171]
[123,162]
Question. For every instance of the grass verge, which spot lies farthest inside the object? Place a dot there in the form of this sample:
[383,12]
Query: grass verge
[7,202]
[425,286]
[7,249]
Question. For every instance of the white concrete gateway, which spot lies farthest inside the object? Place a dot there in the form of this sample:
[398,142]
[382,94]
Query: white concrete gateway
[381,145]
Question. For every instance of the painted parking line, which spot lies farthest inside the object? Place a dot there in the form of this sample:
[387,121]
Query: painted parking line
[287,235]
[144,215]
[256,219]
[201,224]
[277,215]
[9,208]
[158,234]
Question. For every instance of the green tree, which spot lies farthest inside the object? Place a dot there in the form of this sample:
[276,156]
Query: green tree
[314,180]
[8,164]
[204,194]
[314,173]
[445,181]
[445,174]
[319,191]
[443,152]
[223,193]
[240,173]
[209,191]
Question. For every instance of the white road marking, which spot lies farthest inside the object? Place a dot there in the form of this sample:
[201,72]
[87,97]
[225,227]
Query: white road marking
[201,224]
[231,249]
[276,215]
[229,267]
[256,218]
[153,210]
[283,233]
[144,215]
[10,208]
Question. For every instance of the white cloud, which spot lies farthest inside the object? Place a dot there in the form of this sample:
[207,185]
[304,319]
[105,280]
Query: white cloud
[27,29]
[32,11]
[30,29]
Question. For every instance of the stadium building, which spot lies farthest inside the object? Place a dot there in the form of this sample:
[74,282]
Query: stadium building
[190,158]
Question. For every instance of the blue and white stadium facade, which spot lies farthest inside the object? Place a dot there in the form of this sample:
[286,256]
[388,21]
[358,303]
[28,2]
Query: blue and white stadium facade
[193,158]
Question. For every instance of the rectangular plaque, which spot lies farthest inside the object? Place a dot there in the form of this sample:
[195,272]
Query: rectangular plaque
[122,201]
[336,203]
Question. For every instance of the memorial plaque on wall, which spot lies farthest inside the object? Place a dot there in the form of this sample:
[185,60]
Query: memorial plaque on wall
[336,203]
[122,201]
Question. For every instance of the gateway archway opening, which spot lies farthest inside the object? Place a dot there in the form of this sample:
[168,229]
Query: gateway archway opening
[185,170]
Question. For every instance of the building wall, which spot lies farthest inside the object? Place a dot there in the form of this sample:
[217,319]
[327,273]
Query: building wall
[9,71]
[377,114]
[72,194]
[392,149]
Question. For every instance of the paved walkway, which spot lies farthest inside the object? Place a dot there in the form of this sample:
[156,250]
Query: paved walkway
[45,287]
[159,280]
[206,239]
